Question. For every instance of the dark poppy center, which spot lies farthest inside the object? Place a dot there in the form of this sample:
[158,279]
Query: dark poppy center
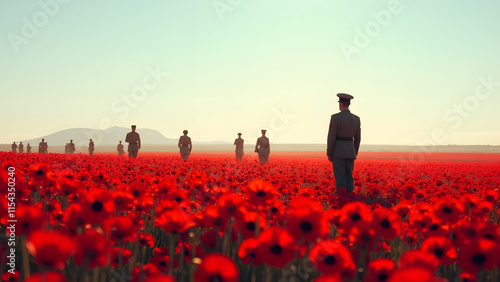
[25,225]
[478,259]
[274,209]
[251,226]
[97,206]
[438,252]
[218,221]
[355,217]
[79,222]
[385,223]
[215,278]
[252,254]
[136,193]
[178,199]
[382,277]
[489,236]
[91,254]
[330,260]
[306,226]
[101,176]
[276,249]
[260,193]
[39,172]
[163,264]
[447,210]
[433,227]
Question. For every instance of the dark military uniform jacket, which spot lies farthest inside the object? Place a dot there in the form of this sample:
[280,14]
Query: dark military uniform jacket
[344,126]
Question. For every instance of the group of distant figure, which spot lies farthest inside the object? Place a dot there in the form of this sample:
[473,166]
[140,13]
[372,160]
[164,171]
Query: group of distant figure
[262,147]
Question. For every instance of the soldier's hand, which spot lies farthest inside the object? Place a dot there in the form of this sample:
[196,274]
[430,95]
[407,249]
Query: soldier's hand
[330,158]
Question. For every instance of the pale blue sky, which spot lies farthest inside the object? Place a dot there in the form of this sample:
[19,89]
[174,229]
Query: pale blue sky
[258,64]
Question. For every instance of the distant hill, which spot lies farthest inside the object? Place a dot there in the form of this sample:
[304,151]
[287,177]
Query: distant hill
[110,136]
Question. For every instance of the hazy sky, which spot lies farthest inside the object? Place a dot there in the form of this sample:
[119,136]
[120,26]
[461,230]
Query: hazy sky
[420,71]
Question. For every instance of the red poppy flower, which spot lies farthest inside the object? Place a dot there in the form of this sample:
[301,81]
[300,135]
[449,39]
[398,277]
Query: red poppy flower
[97,206]
[50,248]
[73,217]
[478,254]
[490,196]
[247,251]
[380,270]
[354,214]
[419,220]
[52,276]
[305,220]
[364,236]
[116,252]
[146,240]
[159,278]
[209,238]
[276,247]
[174,221]
[448,210]
[260,193]
[123,200]
[248,223]
[441,247]
[162,263]
[330,257]
[386,222]
[415,274]
[92,249]
[403,208]
[419,258]
[229,204]
[11,277]
[213,218]
[120,228]
[190,251]
[216,267]
[29,219]
[40,174]
[100,177]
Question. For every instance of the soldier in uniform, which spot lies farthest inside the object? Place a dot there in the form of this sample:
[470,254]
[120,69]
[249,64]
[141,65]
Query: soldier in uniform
[42,147]
[134,142]
[185,145]
[239,147]
[28,148]
[344,136]
[66,148]
[71,146]
[263,148]
[14,147]
[91,148]
[21,147]
[120,150]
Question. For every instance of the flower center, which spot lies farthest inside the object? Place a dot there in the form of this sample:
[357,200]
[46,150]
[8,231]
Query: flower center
[260,193]
[306,226]
[355,217]
[438,252]
[478,259]
[276,249]
[215,278]
[447,210]
[251,226]
[382,277]
[39,172]
[385,223]
[330,260]
[97,206]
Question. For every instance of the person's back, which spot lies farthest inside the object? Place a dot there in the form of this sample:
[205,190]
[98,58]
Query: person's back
[14,147]
[134,142]
[185,145]
[347,128]
[21,147]
[28,148]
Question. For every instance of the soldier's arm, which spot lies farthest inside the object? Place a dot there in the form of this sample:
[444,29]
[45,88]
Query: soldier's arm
[179,143]
[190,145]
[126,138]
[139,140]
[257,146]
[332,134]
[357,139]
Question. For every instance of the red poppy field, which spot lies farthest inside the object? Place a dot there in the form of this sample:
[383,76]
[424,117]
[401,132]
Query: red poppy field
[158,218]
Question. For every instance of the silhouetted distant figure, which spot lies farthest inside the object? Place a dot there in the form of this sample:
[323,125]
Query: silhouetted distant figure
[91,148]
[239,147]
[21,147]
[43,147]
[66,148]
[71,147]
[14,147]
[120,150]
[134,142]
[263,148]
[185,145]
[28,148]
[344,136]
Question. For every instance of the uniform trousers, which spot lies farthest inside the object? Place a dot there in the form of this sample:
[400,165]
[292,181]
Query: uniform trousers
[342,169]
[133,149]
